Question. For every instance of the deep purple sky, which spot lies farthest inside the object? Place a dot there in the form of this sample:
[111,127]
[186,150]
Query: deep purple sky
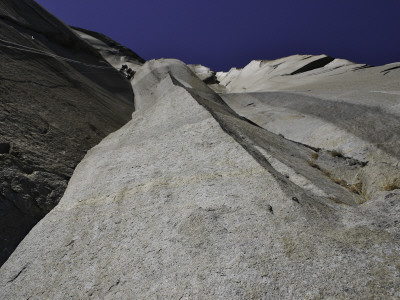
[226,33]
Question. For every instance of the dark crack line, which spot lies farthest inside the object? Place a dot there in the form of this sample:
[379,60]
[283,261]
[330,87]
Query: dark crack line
[19,273]
[288,186]
[114,285]
[311,203]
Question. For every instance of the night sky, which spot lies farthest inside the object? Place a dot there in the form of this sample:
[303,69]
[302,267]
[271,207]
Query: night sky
[230,33]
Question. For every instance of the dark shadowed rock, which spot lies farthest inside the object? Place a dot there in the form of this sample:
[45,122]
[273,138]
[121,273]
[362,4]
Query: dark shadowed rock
[59,98]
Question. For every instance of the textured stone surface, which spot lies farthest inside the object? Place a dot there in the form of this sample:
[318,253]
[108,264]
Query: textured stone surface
[269,197]
[115,53]
[52,110]
[190,201]
[341,108]
[205,74]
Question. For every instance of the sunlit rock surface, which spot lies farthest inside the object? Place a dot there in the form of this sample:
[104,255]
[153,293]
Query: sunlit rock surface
[347,110]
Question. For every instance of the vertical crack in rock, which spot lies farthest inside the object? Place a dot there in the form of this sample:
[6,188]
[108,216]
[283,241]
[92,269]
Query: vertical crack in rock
[249,135]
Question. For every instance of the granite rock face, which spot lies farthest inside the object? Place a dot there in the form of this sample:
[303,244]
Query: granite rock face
[277,181]
[344,110]
[113,52]
[189,200]
[58,98]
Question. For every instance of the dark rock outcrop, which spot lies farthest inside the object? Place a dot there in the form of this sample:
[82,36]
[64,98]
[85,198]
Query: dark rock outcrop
[59,98]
